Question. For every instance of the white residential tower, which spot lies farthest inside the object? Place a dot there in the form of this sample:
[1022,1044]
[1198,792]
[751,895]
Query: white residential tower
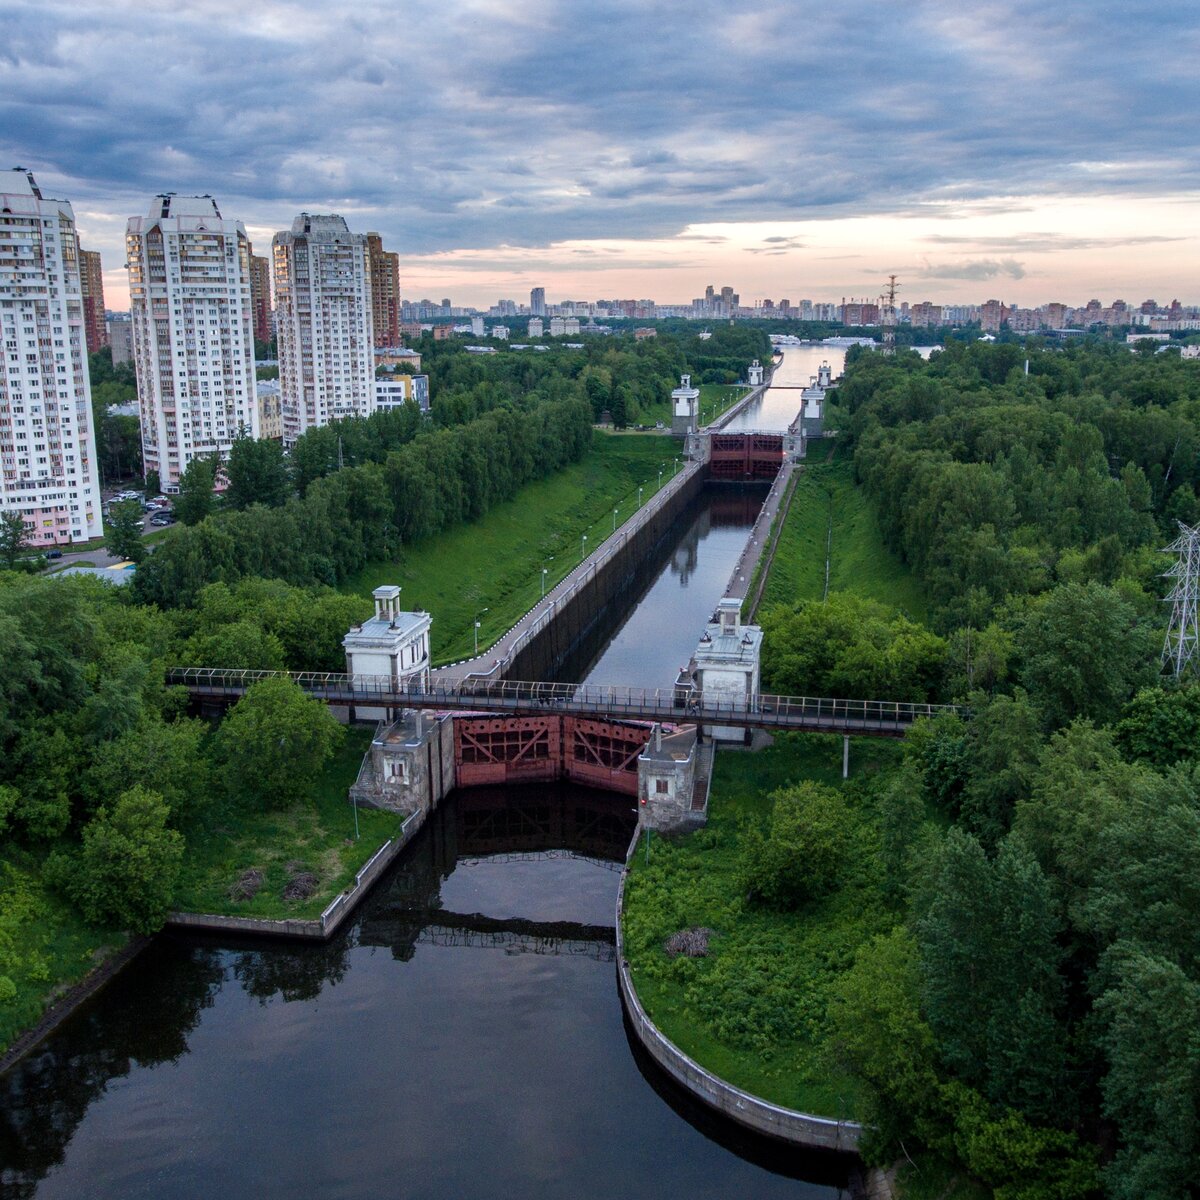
[323,315]
[48,469]
[193,332]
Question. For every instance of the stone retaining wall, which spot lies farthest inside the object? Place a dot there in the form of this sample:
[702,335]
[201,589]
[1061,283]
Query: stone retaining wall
[317,928]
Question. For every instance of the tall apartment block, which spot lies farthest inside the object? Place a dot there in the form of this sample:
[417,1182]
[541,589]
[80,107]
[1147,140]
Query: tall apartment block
[537,302]
[48,469]
[193,337]
[323,321]
[384,267]
[91,278]
[260,296]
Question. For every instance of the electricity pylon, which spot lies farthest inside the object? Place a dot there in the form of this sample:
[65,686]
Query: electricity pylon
[1183,632]
[889,316]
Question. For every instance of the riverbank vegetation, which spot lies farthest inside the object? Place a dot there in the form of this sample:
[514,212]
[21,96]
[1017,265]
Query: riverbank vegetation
[1018,1011]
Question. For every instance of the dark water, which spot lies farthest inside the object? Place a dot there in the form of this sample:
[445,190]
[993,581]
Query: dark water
[463,1037]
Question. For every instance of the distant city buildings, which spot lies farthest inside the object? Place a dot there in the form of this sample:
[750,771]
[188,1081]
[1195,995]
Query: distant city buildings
[193,335]
[536,327]
[324,323]
[91,278]
[260,297]
[537,303]
[384,269]
[48,468]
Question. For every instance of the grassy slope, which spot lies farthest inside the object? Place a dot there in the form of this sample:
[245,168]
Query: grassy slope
[318,833]
[859,561]
[51,946]
[693,881]
[496,562]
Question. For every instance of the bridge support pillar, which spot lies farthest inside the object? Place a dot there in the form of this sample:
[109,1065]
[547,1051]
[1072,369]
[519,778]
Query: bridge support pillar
[409,764]
[845,758]
[667,781]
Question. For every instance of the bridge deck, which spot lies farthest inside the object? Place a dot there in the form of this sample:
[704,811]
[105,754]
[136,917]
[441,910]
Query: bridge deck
[866,718]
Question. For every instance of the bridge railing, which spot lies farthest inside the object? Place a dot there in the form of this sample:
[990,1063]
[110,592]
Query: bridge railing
[677,704]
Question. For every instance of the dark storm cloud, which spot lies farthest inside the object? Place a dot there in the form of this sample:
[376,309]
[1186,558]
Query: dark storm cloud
[477,123]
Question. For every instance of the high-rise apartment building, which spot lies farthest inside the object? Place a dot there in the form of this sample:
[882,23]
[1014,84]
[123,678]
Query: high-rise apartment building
[119,330]
[384,268]
[323,321]
[48,469]
[537,302]
[260,296]
[193,333]
[91,279]
[992,315]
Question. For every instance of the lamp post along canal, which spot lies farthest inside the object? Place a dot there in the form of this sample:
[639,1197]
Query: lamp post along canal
[477,616]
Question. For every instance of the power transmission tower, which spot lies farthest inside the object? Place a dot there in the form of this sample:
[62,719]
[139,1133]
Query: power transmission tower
[1183,633]
[889,316]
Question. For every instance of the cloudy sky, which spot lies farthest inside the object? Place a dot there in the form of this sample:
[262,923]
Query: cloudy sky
[1021,150]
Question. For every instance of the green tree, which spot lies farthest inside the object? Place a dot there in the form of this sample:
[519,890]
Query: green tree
[195,500]
[1149,1016]
[274,742]
[258,473]
[167,758]
[1161,726]
[238,644]
[1083,652]
[123,531]
[804,850]
[128,863]
[153,483]
[14,538]
[990,984]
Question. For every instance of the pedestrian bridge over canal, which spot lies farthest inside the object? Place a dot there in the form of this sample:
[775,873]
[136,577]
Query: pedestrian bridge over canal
[506,697]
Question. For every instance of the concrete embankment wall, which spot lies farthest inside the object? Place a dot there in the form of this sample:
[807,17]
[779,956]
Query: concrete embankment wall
[318,928]
[544,652]
[753,1112]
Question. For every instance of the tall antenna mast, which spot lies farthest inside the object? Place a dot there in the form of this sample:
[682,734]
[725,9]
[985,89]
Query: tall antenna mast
[889,316]
[1183,633]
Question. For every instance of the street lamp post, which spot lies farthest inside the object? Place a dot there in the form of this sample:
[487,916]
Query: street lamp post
[477,616]
[639,497]
[583,548]
[614,520]
[545,572]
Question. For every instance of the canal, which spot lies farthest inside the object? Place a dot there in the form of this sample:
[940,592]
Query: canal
[779,404]
[462,1037]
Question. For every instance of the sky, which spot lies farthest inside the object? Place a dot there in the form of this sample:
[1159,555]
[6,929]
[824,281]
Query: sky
[1021,151]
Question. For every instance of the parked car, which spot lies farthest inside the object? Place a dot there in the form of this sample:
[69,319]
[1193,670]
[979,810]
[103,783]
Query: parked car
[54,554]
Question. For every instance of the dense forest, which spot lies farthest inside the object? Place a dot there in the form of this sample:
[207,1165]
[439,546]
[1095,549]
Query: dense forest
[1030,1010]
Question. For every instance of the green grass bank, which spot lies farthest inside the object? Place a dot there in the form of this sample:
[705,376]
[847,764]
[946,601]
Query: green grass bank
[753,1011]
[45,945]
[829,510]
[316,835]
[495,564]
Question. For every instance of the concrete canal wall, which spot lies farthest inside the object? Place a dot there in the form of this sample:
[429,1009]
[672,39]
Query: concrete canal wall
[317,928]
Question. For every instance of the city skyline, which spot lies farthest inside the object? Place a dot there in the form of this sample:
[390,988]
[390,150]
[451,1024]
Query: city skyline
[1015,152]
